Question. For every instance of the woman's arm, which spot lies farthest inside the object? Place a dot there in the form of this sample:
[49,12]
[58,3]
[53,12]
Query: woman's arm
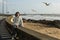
[22,22]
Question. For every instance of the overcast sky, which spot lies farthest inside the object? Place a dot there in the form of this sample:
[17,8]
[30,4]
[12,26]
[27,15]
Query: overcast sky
[31,6]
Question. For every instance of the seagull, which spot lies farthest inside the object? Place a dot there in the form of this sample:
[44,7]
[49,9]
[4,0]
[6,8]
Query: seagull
[47,4]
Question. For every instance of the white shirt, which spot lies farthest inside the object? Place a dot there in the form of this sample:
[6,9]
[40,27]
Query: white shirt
[17,21]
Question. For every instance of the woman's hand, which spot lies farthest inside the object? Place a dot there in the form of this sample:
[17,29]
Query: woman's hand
[17,26]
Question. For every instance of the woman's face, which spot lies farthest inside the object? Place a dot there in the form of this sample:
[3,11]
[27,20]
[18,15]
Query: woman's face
[18,14]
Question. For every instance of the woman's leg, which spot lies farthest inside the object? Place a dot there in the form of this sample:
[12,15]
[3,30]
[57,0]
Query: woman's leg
[14,32]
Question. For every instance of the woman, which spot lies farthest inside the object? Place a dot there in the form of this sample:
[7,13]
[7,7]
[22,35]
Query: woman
[17,22]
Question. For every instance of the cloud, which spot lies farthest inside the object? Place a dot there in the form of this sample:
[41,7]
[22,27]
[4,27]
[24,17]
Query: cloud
[55,8]
[52,8]
[2,2]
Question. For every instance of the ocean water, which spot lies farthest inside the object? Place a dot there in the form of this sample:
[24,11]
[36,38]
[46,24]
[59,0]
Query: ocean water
[42,17]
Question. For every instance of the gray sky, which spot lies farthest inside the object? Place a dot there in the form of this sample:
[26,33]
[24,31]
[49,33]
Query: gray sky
[31,6]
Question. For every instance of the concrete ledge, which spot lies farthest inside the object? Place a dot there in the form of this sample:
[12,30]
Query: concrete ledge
[38,35]
[35,34]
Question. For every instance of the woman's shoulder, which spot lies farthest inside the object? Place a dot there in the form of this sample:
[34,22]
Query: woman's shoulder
[20,17]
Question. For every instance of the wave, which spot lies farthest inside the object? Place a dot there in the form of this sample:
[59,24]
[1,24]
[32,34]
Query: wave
[42,17]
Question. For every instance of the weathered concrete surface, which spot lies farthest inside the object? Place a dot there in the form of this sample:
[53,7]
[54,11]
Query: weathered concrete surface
[38,35]
[4,34]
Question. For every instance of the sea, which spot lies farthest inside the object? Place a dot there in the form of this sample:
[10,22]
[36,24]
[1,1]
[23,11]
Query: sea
[50,17]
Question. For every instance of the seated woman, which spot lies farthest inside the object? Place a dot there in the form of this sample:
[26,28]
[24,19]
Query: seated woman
[17,22]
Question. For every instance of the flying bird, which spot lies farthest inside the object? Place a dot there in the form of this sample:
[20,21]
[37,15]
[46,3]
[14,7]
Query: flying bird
[47,4]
